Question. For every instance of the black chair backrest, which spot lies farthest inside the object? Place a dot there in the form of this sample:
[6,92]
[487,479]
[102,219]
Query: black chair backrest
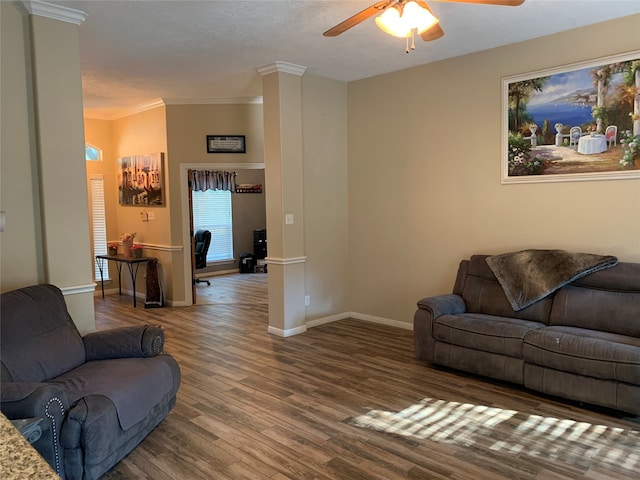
[202,240]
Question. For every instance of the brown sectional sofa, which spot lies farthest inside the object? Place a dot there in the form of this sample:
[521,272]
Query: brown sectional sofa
[581,343]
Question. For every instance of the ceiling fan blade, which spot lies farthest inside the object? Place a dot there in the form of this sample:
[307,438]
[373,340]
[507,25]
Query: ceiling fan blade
[505,3]
[358,17]
[433,33]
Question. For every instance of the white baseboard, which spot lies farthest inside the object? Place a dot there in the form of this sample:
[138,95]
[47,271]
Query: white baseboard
[381,320]
[329,319]
[359,316]
[287,333]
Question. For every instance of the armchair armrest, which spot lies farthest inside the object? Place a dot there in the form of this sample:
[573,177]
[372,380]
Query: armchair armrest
[26,400]
[126,342]
[450,304]
[48,401]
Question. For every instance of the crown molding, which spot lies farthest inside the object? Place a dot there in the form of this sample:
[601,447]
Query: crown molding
[283,67]
[161,102]
[56,12]
[213,101]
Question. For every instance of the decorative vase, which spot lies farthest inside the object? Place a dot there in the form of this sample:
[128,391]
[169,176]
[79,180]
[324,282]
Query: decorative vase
[137,253]
[113,251]
[127,245]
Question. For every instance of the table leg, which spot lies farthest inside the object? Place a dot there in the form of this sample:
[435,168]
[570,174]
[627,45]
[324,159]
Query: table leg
[119,267]
[100,266]
[134,273]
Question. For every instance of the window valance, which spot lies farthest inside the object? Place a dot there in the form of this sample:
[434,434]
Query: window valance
[202,180]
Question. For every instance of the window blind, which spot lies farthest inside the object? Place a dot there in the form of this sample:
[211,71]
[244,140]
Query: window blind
[98,222]
[212,211]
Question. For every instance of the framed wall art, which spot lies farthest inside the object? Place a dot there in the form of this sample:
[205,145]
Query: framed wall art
[141,179]
[575,122]
[226,144]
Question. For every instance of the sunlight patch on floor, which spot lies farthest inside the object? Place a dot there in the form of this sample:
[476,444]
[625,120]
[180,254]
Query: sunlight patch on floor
[466,424]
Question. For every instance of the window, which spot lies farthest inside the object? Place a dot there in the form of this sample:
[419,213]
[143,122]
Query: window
[212,211]
[92,153]
[98,221]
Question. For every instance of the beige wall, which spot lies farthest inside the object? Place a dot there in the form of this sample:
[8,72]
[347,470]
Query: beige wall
[424,175]
[324,117]
[20,243]
[187,130]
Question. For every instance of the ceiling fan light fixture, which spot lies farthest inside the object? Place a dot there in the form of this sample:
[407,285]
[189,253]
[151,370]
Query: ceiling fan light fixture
[403,19]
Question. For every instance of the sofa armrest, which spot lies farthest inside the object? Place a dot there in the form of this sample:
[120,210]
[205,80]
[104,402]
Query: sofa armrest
[125,342]
[450,304]
[429,309]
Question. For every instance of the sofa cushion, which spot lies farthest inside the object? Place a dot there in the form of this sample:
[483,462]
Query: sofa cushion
[585,352]
[608,300]
[487,333]
[483,293]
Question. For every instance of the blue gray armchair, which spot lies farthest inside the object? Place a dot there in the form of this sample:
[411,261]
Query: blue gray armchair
[99,395]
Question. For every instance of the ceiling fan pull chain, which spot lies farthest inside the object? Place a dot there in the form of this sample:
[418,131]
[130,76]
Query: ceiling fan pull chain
[413,41]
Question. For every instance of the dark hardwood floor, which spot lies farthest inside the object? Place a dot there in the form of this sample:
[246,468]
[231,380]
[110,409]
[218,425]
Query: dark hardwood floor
[347,400]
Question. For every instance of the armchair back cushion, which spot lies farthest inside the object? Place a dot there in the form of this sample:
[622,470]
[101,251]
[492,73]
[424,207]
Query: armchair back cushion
[35,323]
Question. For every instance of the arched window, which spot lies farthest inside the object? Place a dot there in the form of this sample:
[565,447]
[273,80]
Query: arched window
[92,153]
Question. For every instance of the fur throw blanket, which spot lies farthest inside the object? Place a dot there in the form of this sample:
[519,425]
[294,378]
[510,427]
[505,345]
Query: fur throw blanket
[530,275]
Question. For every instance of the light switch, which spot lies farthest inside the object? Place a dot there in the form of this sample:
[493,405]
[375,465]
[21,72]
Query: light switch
[288,219]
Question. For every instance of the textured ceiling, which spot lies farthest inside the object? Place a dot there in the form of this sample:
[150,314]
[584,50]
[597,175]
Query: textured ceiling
[134,53]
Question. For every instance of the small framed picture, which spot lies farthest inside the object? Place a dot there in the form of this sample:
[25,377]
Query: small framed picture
[226,144]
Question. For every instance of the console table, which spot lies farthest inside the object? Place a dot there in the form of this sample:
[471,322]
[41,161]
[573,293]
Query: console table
[132,264]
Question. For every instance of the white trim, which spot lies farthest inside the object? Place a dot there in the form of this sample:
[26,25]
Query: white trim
[223,166]
[361,317]
[284,67]
[163,102]
[380,320]
[78,289]
[287,333]
[56,12]
[285,261]
[177,303]
[152,246]
[214,101]
[330,319]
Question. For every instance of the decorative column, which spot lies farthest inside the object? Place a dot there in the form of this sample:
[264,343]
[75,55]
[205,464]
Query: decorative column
[61,165]
[282,110]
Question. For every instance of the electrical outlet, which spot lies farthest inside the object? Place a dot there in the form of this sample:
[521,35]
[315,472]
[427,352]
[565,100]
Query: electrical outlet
[151,216]
[306,300]
[288,219]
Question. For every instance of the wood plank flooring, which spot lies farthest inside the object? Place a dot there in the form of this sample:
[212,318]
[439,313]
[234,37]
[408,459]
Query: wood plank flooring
[256,406]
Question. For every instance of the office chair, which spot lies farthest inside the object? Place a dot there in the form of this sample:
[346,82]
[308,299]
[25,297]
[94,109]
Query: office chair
[202,240]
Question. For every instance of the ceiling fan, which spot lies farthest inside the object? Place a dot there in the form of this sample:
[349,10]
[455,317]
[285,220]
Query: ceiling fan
[406,18]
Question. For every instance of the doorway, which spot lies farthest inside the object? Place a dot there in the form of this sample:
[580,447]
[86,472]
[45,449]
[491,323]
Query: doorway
[248,209]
